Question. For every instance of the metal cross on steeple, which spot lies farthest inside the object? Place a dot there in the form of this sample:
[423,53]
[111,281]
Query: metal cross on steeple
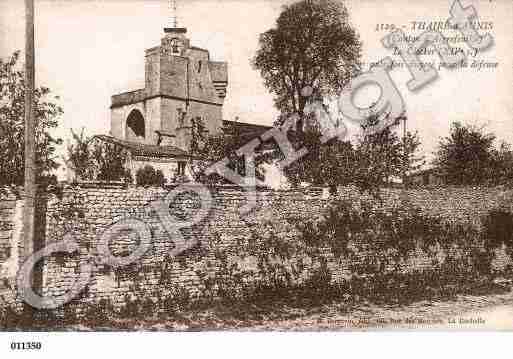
[174,13]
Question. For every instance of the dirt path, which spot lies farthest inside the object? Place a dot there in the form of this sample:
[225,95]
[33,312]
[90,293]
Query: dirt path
[493,312]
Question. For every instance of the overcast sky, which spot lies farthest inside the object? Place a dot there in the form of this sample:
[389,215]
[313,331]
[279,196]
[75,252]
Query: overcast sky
[89,50]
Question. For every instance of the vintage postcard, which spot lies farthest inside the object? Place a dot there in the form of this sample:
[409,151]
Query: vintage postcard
[256,166]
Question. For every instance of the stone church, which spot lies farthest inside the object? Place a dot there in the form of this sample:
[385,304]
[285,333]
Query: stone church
[181,83]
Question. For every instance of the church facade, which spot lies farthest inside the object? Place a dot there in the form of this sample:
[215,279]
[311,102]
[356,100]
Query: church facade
[180,83]
[154,123]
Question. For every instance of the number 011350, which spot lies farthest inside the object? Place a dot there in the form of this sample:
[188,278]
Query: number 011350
[25,345]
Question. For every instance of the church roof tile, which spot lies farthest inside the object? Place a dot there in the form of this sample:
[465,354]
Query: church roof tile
[141,149]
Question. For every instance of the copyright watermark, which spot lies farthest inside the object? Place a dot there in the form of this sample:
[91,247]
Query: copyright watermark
[390,103]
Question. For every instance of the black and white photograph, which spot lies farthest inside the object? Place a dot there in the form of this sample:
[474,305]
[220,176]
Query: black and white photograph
[237,166]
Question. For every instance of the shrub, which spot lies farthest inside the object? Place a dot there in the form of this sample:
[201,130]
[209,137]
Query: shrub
[498,229]
[130,307]
[99,314]
[379,241]
[96,160]
[110,162]
[148,177]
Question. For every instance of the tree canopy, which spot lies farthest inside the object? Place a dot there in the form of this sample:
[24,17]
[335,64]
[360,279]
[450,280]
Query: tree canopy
[373,161]
[468,156]
[12,124]
[94,160]
[329,164]
[208,149]
[313,45]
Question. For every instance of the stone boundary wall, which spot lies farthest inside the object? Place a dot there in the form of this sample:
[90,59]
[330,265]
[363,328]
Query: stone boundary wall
[11,246]
[228,243]
[230,247]
[224,238]
[456,204]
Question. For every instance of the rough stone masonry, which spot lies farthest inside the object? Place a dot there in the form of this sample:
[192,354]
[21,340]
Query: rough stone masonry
[230,247]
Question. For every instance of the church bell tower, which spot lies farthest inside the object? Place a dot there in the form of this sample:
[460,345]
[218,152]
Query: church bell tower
[181,84]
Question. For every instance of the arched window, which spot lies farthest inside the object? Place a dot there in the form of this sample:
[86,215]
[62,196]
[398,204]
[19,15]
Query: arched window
[135,129]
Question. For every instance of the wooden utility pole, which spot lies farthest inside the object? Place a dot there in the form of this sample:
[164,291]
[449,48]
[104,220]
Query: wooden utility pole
[30,148]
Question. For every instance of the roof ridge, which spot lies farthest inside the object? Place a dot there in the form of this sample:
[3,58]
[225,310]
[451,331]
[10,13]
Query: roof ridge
[144,149]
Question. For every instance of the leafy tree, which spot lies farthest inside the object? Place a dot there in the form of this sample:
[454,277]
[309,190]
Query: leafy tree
[313,45]
[12,112]
[207,149]
[410,144]
[331,164]
[79,157]
[110,162]
[382,156]
[465,157]
[96,160]
[502,165]
[147,176]
[375,159]
[379,157]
